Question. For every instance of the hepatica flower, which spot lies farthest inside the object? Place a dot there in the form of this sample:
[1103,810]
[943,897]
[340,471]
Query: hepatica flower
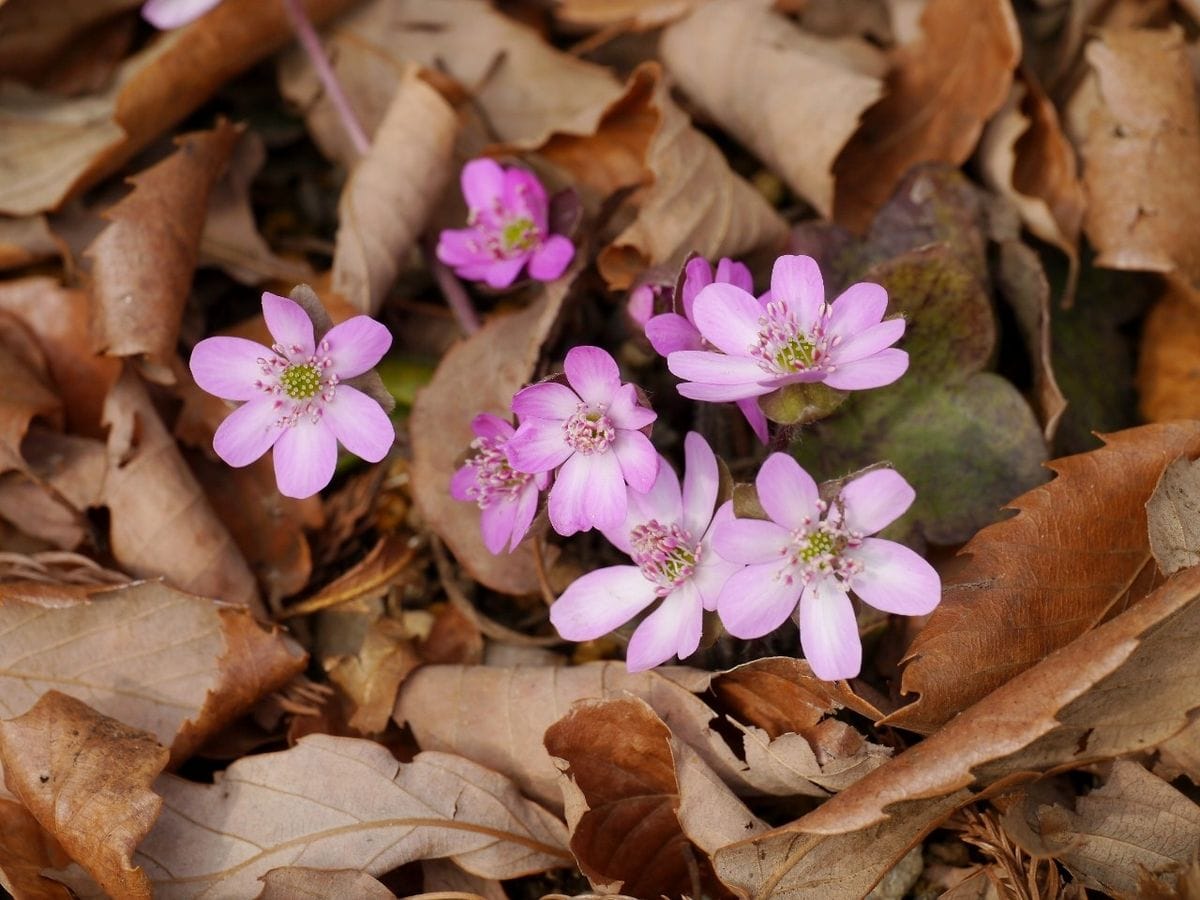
[795,337]
[671,332]
[813,553]
[509,228]
[507,498]
[296,398]
[668,532]
[591,434]
[167,14]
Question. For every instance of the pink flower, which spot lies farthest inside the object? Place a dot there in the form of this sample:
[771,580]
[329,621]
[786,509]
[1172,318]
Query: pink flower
[507,497]
[509,219]
[671,332]
[589,432]
[796,337]
[167,14]
[669,535]
[815,552]
[297,401]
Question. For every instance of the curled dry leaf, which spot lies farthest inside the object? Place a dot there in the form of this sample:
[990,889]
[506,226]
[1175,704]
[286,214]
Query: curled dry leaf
[940,92]
[391,193]
[64,478]
[445,875]
[342,803]
[523,88]
[1141,154]
[162,524]
[1123,687]
[33,36]
[56,148]
[301,883]
[28,389]
[26,240]
[1134,823]
[25,850]
[1173,516]
[86,779]
[808,94]
[142,263]
[507,347]
[202,664]
[1076,553]
[1168,375]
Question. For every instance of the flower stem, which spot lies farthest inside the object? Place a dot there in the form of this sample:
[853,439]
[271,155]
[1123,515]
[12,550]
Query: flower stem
[454,292]
[307,35]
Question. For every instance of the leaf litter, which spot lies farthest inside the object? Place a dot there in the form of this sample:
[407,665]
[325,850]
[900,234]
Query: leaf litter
[207,688]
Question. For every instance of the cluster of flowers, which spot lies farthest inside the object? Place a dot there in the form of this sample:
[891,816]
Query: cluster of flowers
[583,436]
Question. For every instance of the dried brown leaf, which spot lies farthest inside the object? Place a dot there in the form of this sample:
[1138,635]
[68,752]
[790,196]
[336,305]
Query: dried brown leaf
[1173,516]
[940,92]
[301,883]
[1076,553]
[342,803]
[621,15]
[199,665]
[507,348]
[391,193]
[444,875]
[1141,153]
[26,849]
[1168,375]
[371,677]
[56,148]
[26,240]
[808,94]
[161,522]
[86,779]
[64,478]
[1123,687]
[33,35]
[142,263]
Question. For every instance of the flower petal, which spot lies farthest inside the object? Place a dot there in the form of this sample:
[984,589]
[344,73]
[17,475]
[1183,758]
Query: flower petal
[593,374]
[750,541]
[167,14]
[605,497]
[894,578]
[856,309]
[869,342]
[626,412]
[796,281]
[503,272]
[486,425]
[670,332]
[248,432]
[706,367]
[735,273]
[829,631]
[524,197]
[637,459]
[496,524]
[289,324]
[721,393]
[551,259]
[600,602]
[305,457]
[876,499]
[228,367]
[728,318]
[482,184]
[700,482]
[671,630]
[713,569]
[756,418]
[787,493]
[537,446]
[526,503]
[547,400]
[356,345]
[462,246]
[697,275]
[756,600]
[360,423]
[664,500]
[566,505]
[871,372]
[462,482]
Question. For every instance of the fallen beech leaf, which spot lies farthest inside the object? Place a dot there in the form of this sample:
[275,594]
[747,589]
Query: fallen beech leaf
[940,92]
[300,883]
[809,95]
[1123,687]
[26,240]
[1173,516]
[26,849]
[142,263]
[631,15]
[780,694]
[1076,553]
[162,524]
[64,478]
[200,664]
[342,803]
[28,391]
[524,87]
[1168,374]
[86,778]
[1141,154]
[507,348]
[445,875]
[371,677]
[391,193]
[621,796]
[56,148]
[1025,156]
[60,319]
[1134,823]
[34,36]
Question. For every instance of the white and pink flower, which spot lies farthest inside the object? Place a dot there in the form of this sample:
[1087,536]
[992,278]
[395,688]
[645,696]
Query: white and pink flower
[668,532]
[810,554]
